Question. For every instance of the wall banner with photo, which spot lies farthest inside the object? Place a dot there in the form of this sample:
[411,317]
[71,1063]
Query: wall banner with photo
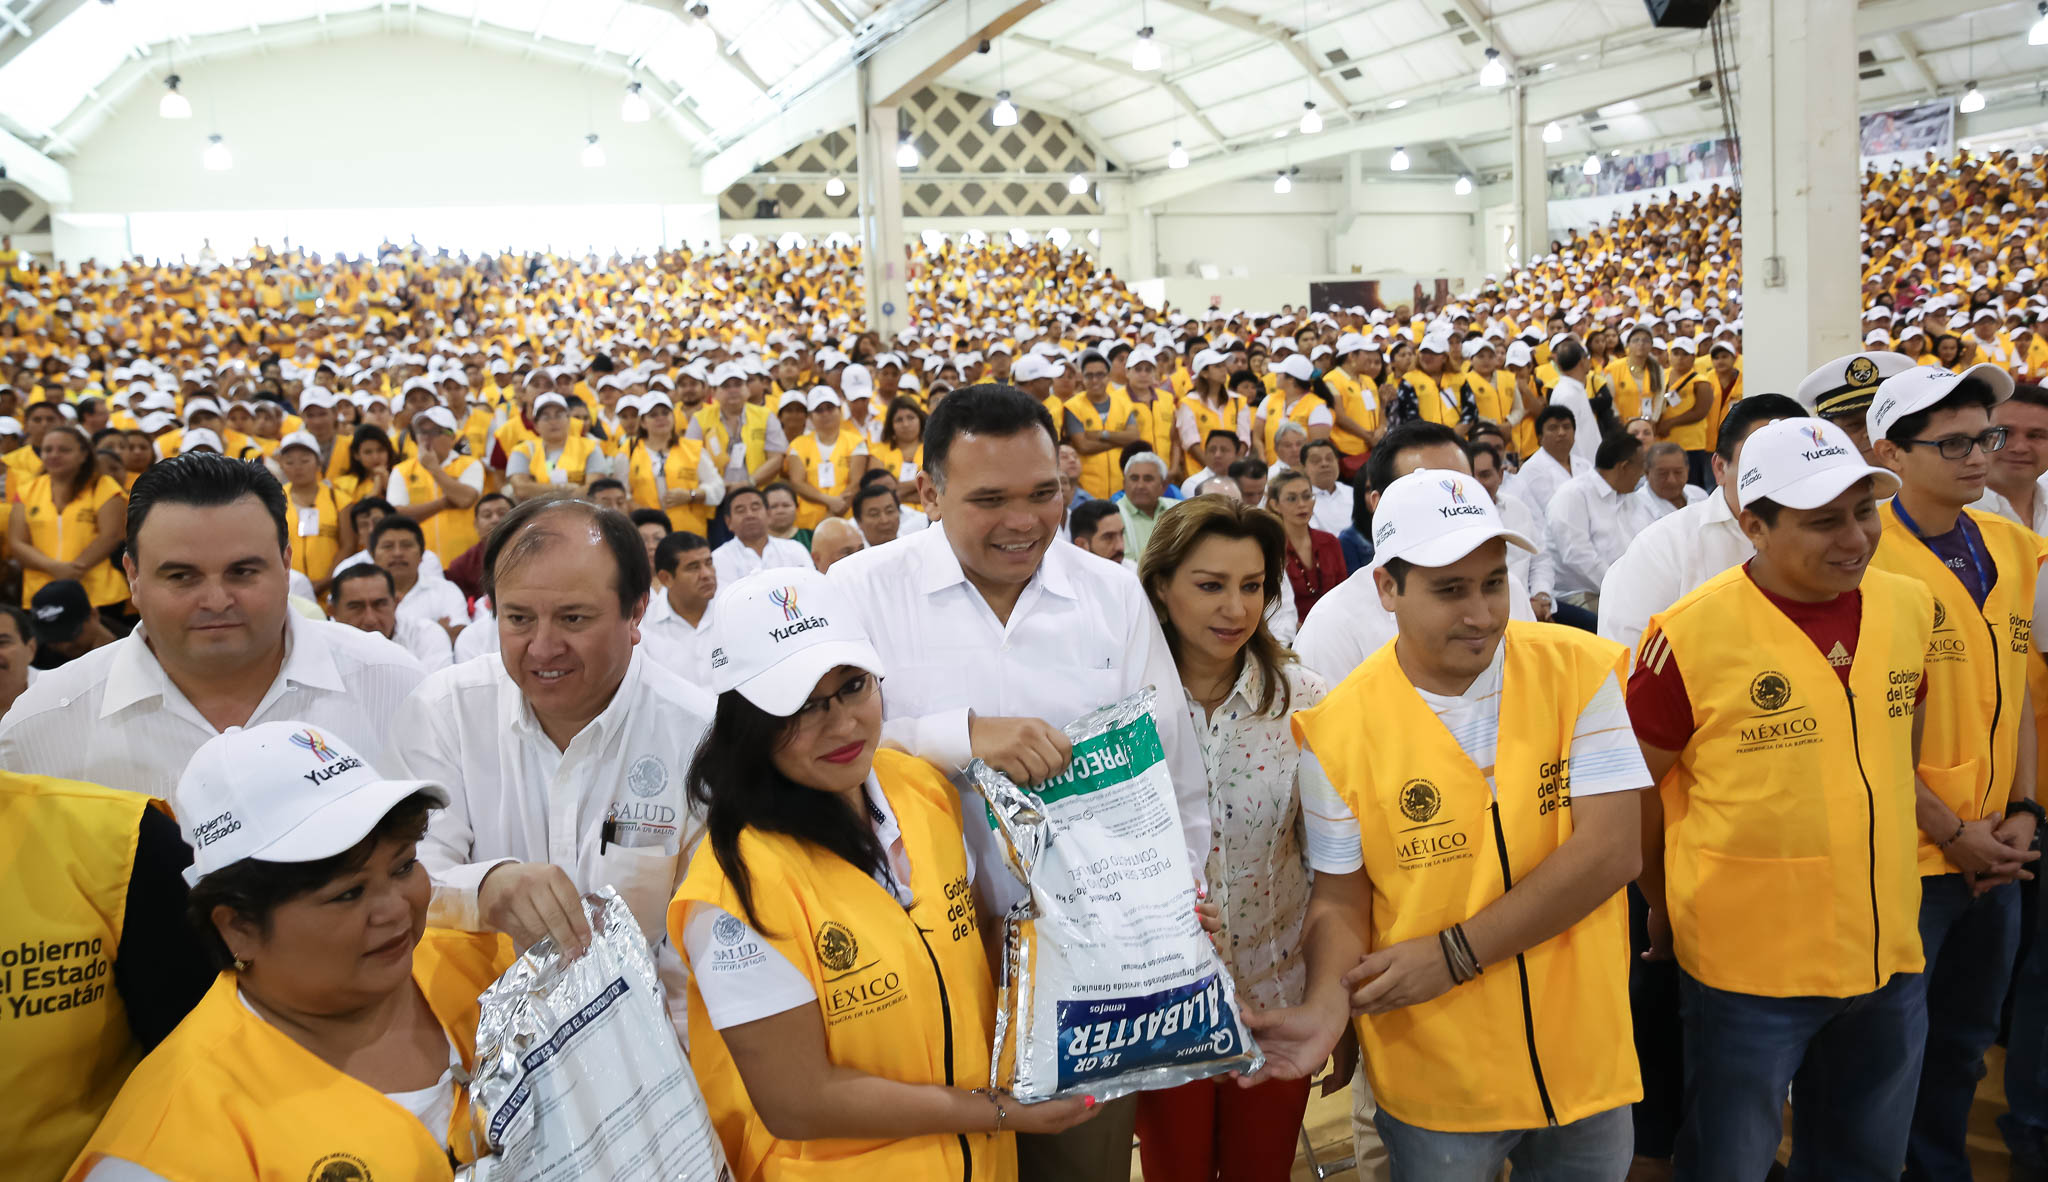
[1909,130]
[1700,161]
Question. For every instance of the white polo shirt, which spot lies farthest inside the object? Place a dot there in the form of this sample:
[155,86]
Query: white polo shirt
[612,809]
[1669,558]
[1081,635]
[435,601]
[1333,509]
[684,649]
[1572,394]
[1348,624]
[1994,501]
[735,560]
[1539,478]
[114,717]
[1589,528]
[1534,570]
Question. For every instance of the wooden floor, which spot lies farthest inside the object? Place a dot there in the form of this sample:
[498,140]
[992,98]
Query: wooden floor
[1329,1130]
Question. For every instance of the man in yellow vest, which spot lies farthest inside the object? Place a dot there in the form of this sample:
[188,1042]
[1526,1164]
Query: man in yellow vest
[1779,860]
[1978,759]
[1098,423]
[1471,796]
[97,964]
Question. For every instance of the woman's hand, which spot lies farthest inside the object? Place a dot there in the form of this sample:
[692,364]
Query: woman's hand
[1049,1116]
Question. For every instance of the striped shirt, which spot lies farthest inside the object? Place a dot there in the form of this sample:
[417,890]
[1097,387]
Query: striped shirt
[1604,758]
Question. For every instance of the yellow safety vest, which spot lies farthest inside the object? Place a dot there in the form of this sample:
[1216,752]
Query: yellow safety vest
[1102,476]
[1977,664]
[753,432]
[1429,399]
[64,536]
[228,1096]
[451,531]
[1155,423]
[1793,800]
[1548,1040]
[65,1044]
[314,553]
[807,452]
[576,453]
[679,470]
[1275,409]
[1359,399]
[904,994]
[1631,396]
[889,458]
[1207,420]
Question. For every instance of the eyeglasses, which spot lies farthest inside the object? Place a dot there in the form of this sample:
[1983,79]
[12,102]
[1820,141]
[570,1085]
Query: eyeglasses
[857,689]
[1959,447]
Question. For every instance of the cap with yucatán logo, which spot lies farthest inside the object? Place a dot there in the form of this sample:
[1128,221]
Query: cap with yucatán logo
[1804,464]
[779,631]
[1435,516]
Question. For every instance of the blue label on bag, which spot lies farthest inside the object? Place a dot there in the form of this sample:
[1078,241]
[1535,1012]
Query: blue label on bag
[1105,1037]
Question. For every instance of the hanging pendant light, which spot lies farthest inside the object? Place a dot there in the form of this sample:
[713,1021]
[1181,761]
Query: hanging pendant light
[216,157]
[1553,132]
[906,154]
[835,187]
[593,152]
[1145,54]
[173,105]
[1592,165]
[633,108]
[1494,73]
[1311,122]
[1178,157]
[1398,162]
[1464,186]
[1005,113]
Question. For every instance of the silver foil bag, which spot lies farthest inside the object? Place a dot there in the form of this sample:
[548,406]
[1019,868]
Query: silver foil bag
[579,1074]
[1110,985]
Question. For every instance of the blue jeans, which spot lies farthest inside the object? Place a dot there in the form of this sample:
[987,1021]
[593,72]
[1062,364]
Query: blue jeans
[1596,1149]
[1851,1062]
[2026,1057]
[1970,944]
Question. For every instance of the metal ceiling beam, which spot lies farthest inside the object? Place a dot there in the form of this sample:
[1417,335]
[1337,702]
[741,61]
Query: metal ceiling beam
[1287,38]
[1884,17]
[1909,57]
[41,18]
[1115,66]
[1481,25]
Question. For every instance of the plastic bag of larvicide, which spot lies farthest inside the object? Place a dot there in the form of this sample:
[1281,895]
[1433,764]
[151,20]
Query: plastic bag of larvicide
[1110,985]
[579,1074]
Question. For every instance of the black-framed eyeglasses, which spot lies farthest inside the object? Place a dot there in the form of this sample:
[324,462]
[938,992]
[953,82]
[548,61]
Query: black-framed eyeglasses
[1959,447]
[858,688]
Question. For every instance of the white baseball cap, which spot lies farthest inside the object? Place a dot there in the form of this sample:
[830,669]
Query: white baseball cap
[1804,464]
[1924,385]
[856,381]
[282,792]
[1029,368]
[1297,367]
[547,400]
[792,398]
[1207,358]
[441,417]
[299,439]
[1434,517]
[823,396]
[778,631]
[198,437]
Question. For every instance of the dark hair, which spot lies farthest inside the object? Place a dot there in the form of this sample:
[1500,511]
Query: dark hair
[781,486]
[1486,447]
[487,498]
[1553,412]
[364,508]
[1766,509]
[902,402]
[1746,414]
[733,778]
[1227,433]
[253,889]
[1173,541]
[606,484]
[1248,468]
[1240,378]
[1967,393]
[668,553]
[522,535]
[1661,448]
[869,492]
[640,517]
[1397,569]
[990,408]
[46,404]
[1091,356]
[742,491]
[1087,516]
[367,434]
[360,570]
[2030,394]
[1313,444]
[1615,450]
[397,523]
[875,476]
[1568,354]
[204,480]
[22,623]
[1413,434]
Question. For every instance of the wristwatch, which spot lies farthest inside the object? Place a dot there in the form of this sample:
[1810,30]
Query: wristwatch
[2029,807]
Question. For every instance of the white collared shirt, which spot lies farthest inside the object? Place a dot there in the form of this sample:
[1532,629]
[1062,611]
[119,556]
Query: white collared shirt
[435,601]
[1534,569]
[426,640]
[1588,531]
[1539,478]
[1669,558]
[1081,635]
[1572,394]
[670,639]
[735,560]
[114,717]
[1642,506]
[1994,501]
[1349,624]
[1333,509]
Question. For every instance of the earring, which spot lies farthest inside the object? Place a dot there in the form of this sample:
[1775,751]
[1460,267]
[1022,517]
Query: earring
[241,966]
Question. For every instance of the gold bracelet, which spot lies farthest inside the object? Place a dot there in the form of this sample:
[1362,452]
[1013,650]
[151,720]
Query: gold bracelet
[994,1097]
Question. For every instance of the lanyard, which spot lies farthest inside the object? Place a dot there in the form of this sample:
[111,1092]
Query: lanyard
[1978,561]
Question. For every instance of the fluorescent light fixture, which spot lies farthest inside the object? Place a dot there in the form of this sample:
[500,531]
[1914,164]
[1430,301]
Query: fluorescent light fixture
[1553,132]
[1399,160]
[1178,157]
[633,108]
[216,157]
[1495,72]
[1145,54]
[1311,122]
[1005,114]
[173,105]
[593,152]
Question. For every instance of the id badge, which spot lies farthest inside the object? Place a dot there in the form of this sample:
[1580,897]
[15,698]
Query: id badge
[827,474]
[309,522]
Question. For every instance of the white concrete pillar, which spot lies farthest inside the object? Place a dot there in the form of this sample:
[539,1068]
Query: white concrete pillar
[1531,183]
[885,259]
[1801,192]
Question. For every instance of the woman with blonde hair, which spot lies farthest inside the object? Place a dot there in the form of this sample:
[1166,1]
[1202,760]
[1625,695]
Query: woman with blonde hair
[1213,569]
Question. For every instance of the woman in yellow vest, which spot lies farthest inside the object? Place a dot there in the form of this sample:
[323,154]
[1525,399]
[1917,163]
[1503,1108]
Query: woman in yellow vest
[103,965]
[336,1038]
[368,472]
[664,472]
[439,486]
[555,458]
[1297,400]
[316,510]
[736,433]
[900,451]
[1688,401]
[1636,378]
[69,520]
[841,1006]
[1492,1010]
[1786,773]
[825,463]
[1355,410]
[1211,405]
